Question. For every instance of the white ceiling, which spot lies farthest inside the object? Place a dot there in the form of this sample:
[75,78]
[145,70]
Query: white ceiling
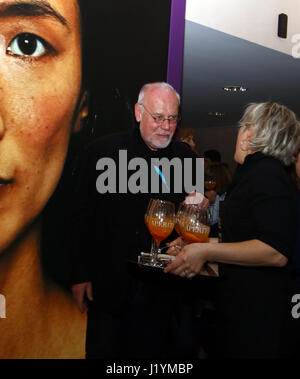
[213,59]
[253,20]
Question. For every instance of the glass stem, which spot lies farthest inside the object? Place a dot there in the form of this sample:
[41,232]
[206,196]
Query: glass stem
[154,251]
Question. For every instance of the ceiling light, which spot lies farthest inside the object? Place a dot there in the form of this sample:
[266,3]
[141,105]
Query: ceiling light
[235,89]
[216,114]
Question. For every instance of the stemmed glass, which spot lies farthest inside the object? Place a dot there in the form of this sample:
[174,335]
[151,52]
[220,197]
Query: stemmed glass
[178,218]
[194,223]
[159,219]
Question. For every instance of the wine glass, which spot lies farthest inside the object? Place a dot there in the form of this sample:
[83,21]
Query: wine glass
[159,219]
[178,218]
[194,223]
[209,183]
[193,226]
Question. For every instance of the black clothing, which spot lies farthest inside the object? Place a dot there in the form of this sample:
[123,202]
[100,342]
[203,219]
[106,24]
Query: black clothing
[110,233]
[253,302]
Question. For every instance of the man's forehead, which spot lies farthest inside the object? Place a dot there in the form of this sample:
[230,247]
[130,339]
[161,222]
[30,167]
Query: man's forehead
[159,97]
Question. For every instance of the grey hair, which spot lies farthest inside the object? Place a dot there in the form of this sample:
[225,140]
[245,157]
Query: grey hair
[276,130]
[161,85]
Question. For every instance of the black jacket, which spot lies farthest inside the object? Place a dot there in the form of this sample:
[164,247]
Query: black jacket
[109,229]
[253,302]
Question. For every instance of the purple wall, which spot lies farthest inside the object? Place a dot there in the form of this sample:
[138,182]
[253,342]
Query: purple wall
[176,44]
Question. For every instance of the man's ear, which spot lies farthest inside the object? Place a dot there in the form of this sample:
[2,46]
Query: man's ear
[137,112]
[83,112]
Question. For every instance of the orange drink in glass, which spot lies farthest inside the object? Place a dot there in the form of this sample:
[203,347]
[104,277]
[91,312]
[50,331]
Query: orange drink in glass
[194,223]
[195,235]
[160,222]
[160,229]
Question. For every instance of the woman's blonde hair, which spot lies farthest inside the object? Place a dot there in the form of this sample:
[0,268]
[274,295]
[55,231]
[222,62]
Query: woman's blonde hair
[276,130]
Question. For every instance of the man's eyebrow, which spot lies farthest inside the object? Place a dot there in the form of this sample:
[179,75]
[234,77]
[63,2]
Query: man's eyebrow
[30,9]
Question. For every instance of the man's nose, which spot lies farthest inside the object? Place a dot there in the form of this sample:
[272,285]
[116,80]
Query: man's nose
[166,124]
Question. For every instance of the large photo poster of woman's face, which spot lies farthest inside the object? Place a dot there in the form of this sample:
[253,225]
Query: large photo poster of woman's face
[50,53]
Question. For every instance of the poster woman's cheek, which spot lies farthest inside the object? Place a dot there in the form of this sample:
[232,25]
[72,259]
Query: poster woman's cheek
[40,82]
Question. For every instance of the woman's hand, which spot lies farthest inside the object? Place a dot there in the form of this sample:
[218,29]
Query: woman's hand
[189,260]
[175,246]
[81,292]
[197,198]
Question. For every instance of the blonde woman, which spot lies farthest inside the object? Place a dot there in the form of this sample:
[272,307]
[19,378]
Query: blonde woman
[259,220]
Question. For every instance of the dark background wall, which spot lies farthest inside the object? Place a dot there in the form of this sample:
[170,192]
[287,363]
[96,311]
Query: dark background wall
[221,138]
[126,47]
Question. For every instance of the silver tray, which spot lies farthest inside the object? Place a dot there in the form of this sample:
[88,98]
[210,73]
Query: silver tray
[210,270]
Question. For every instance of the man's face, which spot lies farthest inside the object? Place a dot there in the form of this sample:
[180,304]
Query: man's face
[157,102]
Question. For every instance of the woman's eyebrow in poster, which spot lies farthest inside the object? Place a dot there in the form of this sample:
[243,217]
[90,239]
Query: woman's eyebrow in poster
[35,8]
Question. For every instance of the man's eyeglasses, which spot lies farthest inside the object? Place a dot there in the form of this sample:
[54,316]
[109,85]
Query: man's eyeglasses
[160,119]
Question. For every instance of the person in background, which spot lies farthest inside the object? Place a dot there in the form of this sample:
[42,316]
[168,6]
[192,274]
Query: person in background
[222,177]
[259,228]
[187,135]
